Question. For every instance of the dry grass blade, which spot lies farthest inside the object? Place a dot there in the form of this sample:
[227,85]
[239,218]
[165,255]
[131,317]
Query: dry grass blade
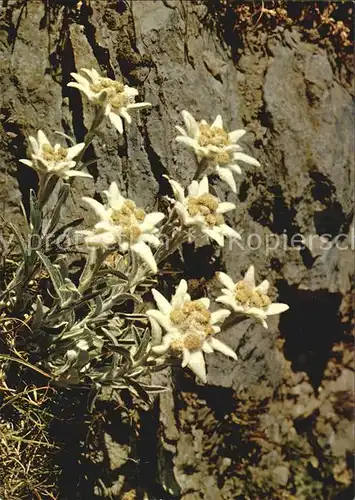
[25,446]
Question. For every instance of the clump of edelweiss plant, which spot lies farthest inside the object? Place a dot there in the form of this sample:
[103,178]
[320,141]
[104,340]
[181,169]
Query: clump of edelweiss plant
[75,322]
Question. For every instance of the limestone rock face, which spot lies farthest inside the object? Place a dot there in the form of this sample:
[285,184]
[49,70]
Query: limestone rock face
[288,95]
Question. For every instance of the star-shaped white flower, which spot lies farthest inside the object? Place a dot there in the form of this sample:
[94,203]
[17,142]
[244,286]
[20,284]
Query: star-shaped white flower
[202,211]
[246,298]
[123,224]
[53,160]
[116,98]
[215,144]
[189,329]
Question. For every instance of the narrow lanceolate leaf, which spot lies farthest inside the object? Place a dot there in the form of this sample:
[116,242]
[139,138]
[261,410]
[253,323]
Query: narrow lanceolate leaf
[154,389]
[154,368]
[66,136]
[143,347]
[136,334]
[137,389]
[62,198]
[54,275]
[126,342]
[62,264]
[93,395]
[110,335]
[39,314]
[88,163]
[66,227]
[98,306]
[23,210]
[35,214]
[20,240]
[150,282]
[49,188]
[133,316]
[69,291]
[122,297]
[114,272]
[122,351]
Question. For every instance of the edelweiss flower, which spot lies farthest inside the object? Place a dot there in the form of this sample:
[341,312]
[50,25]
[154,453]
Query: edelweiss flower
[215,144]
[190,328]
[203,211]
[53,160]
[116,98]
[123,224]
[244,297]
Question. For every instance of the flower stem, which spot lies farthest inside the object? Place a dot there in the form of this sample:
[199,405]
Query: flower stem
[232,320]
[201,168]
[90,134]
[163,252]
[92,266]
